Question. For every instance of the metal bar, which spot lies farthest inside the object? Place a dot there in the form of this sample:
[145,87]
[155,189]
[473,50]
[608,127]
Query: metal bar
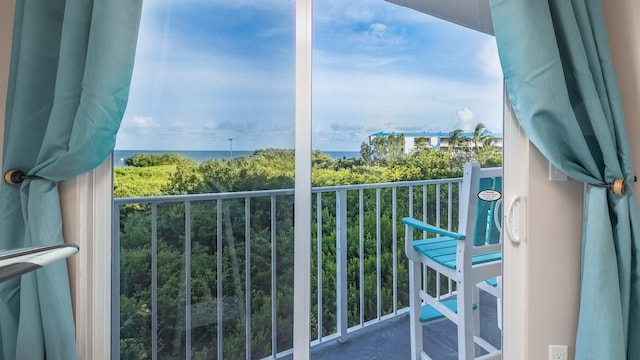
[361,252]
[438,205]
[247,276]
[319,260]
[394,250]
[187,277]
[154,281]
[267,193]
[425,213]
[341,266]
[219,276]
[378,255]
[274,309]
[115,285]
[425,278]
[424,207]
[410,201]
[438,285]
[383,185]
[449,207]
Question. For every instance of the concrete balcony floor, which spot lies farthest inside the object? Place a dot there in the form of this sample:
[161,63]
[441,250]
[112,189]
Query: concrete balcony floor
[390,340]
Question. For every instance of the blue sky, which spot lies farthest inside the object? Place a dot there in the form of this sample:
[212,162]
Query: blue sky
[210,70]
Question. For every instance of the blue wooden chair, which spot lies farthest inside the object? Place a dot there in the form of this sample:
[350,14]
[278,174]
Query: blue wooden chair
[471,258]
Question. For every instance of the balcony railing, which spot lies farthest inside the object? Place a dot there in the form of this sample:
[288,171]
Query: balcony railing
[211,275]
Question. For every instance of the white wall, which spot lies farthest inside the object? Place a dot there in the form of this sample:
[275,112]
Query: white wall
[553,273]
[624,36]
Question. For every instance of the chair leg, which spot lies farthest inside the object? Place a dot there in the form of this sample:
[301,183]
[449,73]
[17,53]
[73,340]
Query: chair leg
[466,345]
[499,303]
[415,304]
[476,313]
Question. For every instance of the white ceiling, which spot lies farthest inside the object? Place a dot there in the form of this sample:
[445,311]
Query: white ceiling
[474,14]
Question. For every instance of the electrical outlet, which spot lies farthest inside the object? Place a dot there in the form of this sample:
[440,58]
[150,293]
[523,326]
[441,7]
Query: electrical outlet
[558,352]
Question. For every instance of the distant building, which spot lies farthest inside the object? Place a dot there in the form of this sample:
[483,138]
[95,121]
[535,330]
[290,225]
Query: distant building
[433,140]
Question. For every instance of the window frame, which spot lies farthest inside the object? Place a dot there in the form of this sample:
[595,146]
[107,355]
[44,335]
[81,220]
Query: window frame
[87,203]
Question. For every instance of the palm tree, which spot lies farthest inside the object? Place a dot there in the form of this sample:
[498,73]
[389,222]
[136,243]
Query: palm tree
[421,143]
[488,142]
[456,139]
[480,133]
[396,146]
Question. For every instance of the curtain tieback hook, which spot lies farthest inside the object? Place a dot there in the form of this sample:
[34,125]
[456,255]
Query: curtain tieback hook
[15,177]
[618,186]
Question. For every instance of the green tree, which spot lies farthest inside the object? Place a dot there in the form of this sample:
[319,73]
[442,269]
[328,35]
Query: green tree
[480,134]
[395,146]
[383,149]
[421,143]
[145,160]
[367,153]
[456,140]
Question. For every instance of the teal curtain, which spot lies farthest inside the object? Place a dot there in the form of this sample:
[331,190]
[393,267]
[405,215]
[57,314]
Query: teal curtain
[560,81]
[71,64]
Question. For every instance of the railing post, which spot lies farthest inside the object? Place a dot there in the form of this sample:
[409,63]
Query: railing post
[115,284]
[154,281]
[341,268]
[187,278]
[219,335]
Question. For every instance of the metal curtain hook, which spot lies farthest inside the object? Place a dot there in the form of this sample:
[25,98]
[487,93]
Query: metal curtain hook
[15,177]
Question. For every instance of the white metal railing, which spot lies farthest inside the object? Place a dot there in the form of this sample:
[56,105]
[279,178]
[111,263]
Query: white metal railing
[413,193]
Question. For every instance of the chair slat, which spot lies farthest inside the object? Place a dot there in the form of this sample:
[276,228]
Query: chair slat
[494,233]
[482,213]
[444,252]
[429,313]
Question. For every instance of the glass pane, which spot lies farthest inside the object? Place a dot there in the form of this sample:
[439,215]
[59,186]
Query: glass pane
[203,184]
[401,101]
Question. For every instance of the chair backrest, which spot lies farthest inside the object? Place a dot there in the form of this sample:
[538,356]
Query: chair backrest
[480,199]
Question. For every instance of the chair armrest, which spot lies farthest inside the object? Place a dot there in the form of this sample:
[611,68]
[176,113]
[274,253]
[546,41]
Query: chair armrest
[415,223]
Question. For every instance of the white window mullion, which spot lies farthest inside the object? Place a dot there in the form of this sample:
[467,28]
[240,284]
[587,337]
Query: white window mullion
[515,259]
[302,223]
[86,211]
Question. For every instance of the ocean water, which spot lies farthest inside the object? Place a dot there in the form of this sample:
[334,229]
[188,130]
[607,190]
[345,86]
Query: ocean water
[120,156]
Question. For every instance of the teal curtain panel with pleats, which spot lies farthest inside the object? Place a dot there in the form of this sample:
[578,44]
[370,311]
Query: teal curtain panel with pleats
[561,84]
[71,64]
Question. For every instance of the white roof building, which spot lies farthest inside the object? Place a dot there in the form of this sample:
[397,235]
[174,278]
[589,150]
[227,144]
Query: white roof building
[436,140]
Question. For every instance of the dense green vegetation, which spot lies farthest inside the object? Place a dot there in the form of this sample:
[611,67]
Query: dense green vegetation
[223,238]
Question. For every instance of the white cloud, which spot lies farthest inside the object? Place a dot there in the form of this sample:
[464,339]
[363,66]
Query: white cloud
[210,125]
[140,124]
[412,128]
[350,106]
[322,58]
[465,115]
[346,127]
[489,61]
[378,27]
[379,36]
